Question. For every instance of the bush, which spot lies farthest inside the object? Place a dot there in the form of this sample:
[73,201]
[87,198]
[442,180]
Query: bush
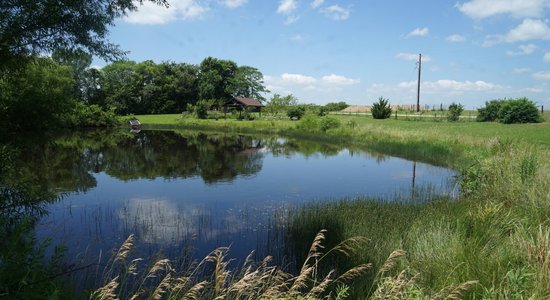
[381,109]
[520,110]
[296,112]
[91,116]
[336,106]
[322,111]
[309,123]
[200,109]
[489,113]
[455,110]
[328,123]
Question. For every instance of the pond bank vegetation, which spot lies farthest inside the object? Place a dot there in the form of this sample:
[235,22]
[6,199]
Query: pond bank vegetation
[492,243]
[498,233]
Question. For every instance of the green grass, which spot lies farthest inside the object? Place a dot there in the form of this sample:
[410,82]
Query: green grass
[460,132]
[498,233]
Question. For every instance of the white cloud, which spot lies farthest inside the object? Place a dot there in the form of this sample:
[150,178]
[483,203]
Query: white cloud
[453,85]
[287,6]
[455,38]
[480,9]
[521,70]
[534,90]
[233,3]
[529,29]
[419,32]
[412,57]
[316,3]
[336,12]
[150,13]
[339,80]
[541,75]
[523,50]
[297,79]
[447,86]
[295,83]
[291,20]
[297,38]
[546,57]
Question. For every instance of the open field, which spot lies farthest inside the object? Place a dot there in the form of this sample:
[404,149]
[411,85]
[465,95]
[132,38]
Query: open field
[474,133]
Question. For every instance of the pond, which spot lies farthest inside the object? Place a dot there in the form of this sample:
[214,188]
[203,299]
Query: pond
[182,192]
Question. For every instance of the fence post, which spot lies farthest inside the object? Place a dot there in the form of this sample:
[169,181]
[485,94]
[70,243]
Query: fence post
[396,114]
[542,109]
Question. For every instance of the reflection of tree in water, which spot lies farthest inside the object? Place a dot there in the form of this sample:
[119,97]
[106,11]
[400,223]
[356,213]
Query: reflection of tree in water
[46,167]
[153,154]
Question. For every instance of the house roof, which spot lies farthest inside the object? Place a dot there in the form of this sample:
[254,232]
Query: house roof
[248,101]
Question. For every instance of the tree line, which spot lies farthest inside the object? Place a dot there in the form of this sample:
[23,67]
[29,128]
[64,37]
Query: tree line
[168,87]
[62,90]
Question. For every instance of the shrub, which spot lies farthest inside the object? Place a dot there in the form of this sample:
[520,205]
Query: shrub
[520,110]
[200,109]
[322,111]
[455,110]
[489,113]
[309,123]
[328,123]
[381,109]
[296,112]
[91,116]
[336,106]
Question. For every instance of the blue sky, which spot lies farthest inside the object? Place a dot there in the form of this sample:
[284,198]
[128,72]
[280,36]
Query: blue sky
[355,51]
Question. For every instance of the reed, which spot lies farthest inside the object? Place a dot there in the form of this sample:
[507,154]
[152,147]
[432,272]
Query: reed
[212,278]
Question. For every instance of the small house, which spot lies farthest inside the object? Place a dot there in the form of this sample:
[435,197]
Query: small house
[242,103]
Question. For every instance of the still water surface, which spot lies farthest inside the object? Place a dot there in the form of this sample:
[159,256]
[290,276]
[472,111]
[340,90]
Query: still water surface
[189,191]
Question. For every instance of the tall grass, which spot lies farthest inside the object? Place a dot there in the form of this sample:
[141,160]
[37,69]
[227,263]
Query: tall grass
[211,278]
[497,233]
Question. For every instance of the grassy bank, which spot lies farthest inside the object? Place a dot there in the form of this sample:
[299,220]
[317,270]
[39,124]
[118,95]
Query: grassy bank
[498,233]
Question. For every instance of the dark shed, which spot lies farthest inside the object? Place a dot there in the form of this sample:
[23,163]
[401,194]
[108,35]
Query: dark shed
[242,103]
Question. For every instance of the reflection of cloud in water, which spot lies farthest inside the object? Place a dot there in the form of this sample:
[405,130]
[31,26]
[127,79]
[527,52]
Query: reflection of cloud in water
[161,221]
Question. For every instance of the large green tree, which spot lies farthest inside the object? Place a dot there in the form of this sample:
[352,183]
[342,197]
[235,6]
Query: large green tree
[249,82]
[38,95]
[119,86]
[216,78]
[29,27]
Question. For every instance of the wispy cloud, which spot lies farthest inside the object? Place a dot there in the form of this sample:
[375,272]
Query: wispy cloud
[296,38]
[288,81]
[336,12]
[529,29]
[412,57]
[541,75]
[523,50]
[233,3]
[287,6]
[150,13]
[546,57]
[291,19]
[521,70]
[339,80]
[480,9]
[455,38]
[419,32]
[297,79]
[316,3]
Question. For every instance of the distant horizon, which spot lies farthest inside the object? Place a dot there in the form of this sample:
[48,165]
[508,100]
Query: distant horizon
[329,51]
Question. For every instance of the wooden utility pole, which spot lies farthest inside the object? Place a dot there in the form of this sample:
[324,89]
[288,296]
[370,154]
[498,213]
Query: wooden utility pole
[418,89]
